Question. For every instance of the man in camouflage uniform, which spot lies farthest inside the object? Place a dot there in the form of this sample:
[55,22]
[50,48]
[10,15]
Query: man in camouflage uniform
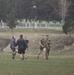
[48,42]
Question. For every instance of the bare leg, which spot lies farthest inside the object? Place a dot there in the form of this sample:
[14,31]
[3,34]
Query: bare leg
[13,54]
[44,53]
[39,54]
[22,56]
[26,51]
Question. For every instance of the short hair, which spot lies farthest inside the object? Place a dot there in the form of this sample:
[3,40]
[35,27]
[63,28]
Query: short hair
[21,36]
[13,37]
[47,35]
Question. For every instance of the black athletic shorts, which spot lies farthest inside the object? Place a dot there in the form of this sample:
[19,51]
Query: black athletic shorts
[41,48]
[21,51]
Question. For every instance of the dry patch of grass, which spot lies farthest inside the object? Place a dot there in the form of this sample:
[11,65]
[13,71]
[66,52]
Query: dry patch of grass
[61,44]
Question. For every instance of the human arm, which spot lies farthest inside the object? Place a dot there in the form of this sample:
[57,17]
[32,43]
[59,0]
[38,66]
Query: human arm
[48,42]
[40,44]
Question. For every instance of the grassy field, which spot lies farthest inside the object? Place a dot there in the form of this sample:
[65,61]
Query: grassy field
[31,66]
[59,63]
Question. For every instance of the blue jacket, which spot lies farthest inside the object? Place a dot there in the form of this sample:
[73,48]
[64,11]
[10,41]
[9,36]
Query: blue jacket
[12,44]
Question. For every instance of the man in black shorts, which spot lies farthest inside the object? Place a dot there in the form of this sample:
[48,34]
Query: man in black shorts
[42,44]
[21,46]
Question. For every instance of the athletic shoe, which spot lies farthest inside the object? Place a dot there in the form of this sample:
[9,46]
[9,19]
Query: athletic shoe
[12,57]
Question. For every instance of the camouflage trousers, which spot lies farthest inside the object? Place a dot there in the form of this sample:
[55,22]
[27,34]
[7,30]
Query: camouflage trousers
[47,53]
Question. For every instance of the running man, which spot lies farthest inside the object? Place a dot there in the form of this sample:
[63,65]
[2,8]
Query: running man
[42,44]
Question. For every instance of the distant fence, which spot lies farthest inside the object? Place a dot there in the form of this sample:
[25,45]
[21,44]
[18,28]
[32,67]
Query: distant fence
[33,24]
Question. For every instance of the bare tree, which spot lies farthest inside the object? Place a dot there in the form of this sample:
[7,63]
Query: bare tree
[60,7]
[63,8]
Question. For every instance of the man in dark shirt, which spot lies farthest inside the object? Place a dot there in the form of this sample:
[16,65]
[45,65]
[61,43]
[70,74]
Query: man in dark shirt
[21,43]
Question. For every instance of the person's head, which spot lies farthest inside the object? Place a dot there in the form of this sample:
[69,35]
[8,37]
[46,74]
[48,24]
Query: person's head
[43,36]
[13,37]
[25,37]
[47,36]
[21,36]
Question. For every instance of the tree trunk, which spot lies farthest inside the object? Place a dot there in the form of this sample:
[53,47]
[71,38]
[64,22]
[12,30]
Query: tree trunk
[12,31]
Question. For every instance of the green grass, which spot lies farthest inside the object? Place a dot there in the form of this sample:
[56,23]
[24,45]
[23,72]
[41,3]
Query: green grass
[31,66]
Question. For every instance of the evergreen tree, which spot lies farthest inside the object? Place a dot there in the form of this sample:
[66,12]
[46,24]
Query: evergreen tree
[11,21]
[68,27]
